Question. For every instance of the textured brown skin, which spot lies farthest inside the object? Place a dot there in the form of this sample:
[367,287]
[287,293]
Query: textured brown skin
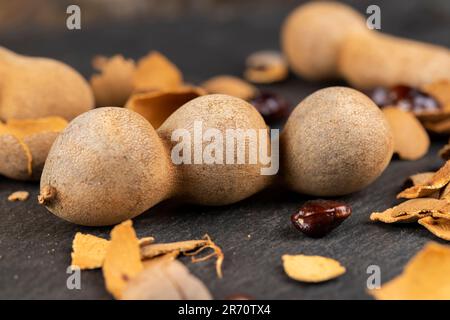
[13,159]
[335,142]
[107,166]
[311,36]
[216,184]
[367,60]
[38,87]
[39,145]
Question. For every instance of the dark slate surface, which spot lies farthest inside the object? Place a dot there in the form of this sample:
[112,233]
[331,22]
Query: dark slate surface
[35,245]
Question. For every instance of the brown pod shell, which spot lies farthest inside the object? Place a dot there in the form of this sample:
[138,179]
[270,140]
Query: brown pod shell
[33,88]
[311,36]
[368,60]
[157,105]
[216,184]
[24,145]
[335,142]
[107,166]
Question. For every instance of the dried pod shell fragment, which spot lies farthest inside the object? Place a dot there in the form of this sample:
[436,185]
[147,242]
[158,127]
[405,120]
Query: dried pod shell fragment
[114,84]
[311,268]
[18,196]
[412,210]
[444,152]
[420,178]
[156,72]
[411,141]
[440,227]
[123,259]
[88,251]
[444,193]
[266,67]
[426,276]
[440,90]
[230,85]
[25,144]
[156,106]
[157,249]
[440,179]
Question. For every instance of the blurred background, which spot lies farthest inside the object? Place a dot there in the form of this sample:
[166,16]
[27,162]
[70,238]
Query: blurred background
[193,33]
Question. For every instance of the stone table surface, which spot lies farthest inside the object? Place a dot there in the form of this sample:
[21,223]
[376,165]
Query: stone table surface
[35,245]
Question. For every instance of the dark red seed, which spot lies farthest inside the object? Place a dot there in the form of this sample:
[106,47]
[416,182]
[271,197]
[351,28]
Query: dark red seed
[271,106]
[316,218]
[406,98]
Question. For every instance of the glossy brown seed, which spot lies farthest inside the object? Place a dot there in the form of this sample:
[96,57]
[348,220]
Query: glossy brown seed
[316,218]
[406,98]
[271,106]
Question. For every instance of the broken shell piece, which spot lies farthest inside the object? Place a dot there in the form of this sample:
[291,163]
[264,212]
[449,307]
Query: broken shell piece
[441,215]
[440,90]
[444,153]
[24,146]
[165,257]
[419,178]
[123,259]
[19,196]
[266,67]
[166,280]
[445,193]
[441,126]
[438,121]
[411,141]
[114,84]
[440,179]
[412,210]
[88,251]
[156,72]
[157,106]
[146,241]
[230,85]
[426,276]
[440,227]
[157,249]
[311,268]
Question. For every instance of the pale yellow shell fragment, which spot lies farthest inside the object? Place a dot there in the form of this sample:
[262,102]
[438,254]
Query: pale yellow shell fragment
[440,179]
[88,251]
[426,276]
[123,259]
[440,227]
[311,268]
[412,210]
[18,196]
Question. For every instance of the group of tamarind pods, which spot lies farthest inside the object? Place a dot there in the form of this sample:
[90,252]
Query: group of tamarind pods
[110,164]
